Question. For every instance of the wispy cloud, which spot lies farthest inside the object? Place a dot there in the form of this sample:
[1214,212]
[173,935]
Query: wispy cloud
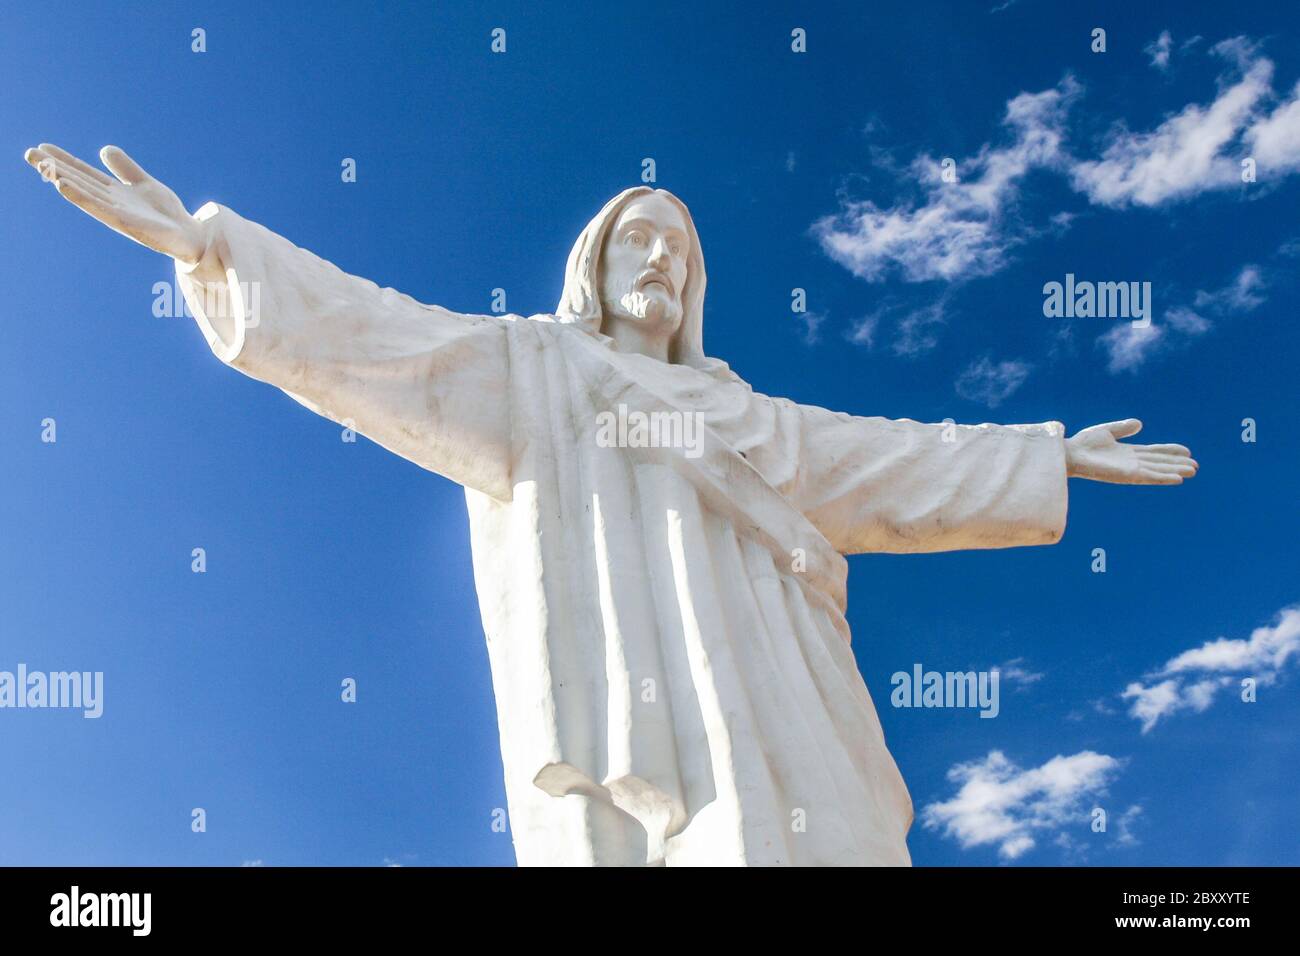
[1199,149]
[1001,804]
[1128,347]
[964,228]
[1124,826]
[863,331]
[1274,141]
[917,329]
[991,383]
[1241,295]
[1193,679]
[1159,50]
[812,323]
[1015,671]
[967,224]
[967,228]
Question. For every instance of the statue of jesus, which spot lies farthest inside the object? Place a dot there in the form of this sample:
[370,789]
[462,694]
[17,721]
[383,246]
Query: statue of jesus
[665,620]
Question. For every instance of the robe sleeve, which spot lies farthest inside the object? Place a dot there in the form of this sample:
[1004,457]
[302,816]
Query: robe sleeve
[899,486]
[423,382]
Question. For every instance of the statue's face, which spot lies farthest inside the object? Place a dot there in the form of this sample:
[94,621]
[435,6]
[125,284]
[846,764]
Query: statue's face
[643,265]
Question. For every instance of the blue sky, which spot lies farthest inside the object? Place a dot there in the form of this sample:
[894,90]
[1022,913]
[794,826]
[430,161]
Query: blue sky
[816,170]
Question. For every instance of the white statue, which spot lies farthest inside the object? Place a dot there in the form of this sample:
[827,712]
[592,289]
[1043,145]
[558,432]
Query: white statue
[665,618]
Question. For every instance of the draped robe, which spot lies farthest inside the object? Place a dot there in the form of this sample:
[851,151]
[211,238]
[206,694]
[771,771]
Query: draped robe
[666,626]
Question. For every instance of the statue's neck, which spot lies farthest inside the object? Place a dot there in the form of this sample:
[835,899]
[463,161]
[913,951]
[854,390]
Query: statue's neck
[634,338]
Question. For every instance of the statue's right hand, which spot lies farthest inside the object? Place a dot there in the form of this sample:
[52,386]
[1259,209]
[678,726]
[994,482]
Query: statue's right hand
[136,204]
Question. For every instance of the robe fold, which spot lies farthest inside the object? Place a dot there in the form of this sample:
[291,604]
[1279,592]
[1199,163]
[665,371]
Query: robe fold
[665,625]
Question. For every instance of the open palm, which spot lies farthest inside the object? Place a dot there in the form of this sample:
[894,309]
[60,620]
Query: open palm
[1098,453]
[135,204]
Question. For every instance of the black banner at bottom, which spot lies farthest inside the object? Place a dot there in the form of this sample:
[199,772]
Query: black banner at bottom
[89,906]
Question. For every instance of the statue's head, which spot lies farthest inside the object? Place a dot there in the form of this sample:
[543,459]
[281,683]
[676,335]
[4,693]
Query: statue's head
[639,261]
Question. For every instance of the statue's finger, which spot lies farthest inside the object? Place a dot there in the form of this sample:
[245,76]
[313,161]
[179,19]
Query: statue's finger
[63,155]
[122,166]
[42,163]
[1186,471]
[1165,461]
[1151,477]
[64,173]
[87,203]
[1125,428]
[1170,449]
[1176,460]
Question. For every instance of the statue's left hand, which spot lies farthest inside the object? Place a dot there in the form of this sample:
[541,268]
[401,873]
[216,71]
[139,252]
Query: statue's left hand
[1098,453]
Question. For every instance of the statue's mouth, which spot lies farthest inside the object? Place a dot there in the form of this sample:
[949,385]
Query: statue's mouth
[651,278]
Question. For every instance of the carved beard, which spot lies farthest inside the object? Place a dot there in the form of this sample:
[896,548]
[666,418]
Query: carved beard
[636,305]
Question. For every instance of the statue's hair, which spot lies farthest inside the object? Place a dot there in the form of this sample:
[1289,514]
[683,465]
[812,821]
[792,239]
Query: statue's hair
[580,300]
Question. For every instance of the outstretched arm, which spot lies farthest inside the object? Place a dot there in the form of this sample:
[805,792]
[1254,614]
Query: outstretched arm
[900,486]
[419,380]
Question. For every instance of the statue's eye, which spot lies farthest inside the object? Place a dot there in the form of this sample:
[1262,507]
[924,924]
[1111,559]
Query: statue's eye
[635,239]
[675,248]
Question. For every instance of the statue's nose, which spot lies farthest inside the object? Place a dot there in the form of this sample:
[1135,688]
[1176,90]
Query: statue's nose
[659,255]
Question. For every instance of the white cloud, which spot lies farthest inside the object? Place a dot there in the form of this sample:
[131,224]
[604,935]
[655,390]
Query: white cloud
[1124,826]
[1128,347]
[812,323]
[991,383]
[998,803]
[915,327]
[968,228]
[1015,672]
[1241,50]
[1061,341]
[252,863]
[1061,222]
[1150,703]
[1192,151]
[1241,295]
[964,228]
[863,331]
[1274,140]
[1158,49]
[1193,679]
[1267,649]
[916,330]
[1184,320]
